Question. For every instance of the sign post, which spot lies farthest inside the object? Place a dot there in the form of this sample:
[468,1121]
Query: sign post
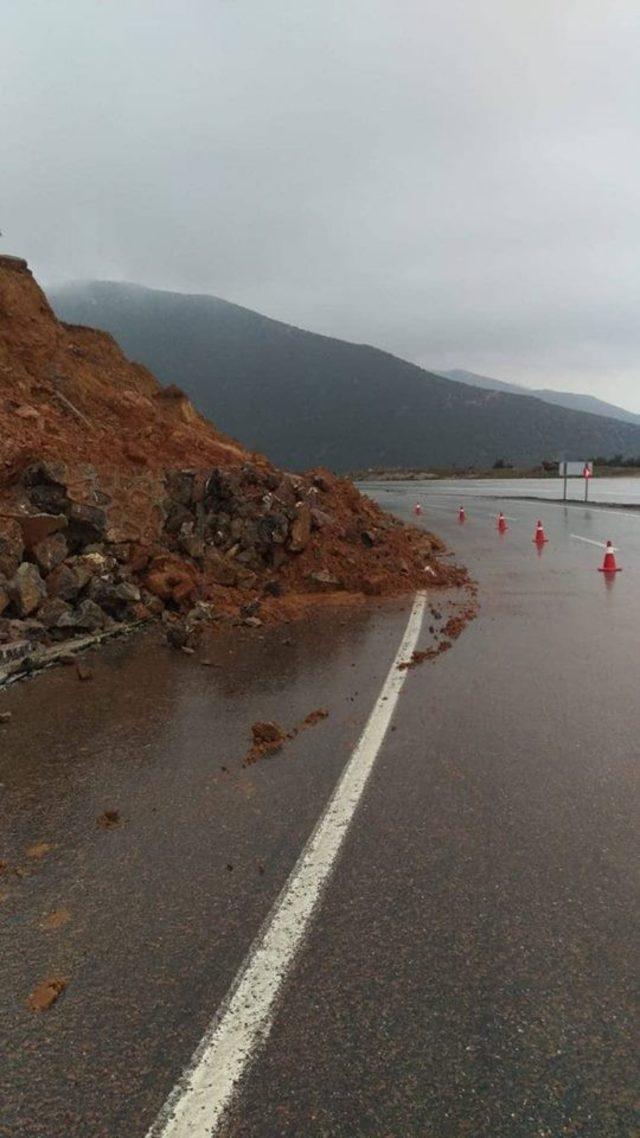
[568,470]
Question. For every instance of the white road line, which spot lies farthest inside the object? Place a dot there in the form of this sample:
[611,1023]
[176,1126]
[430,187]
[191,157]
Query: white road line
[197,1103]
[600,544]
[605,511]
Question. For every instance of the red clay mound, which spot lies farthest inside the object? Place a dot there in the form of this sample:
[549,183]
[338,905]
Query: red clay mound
[119,502]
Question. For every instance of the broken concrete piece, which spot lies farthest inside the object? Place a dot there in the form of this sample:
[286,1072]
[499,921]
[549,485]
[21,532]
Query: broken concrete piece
[14,652]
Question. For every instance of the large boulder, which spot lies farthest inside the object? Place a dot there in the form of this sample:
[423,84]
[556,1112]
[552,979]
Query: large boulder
[273,529]
[172,579]
[27,590]
[301,529]
[37,527]
[52,610]
[219,568]
[114,597]
[87,524]
[192,544]
[178,515]
[11,546]
[64,582]
[46,486]
[87,565]
[181,485]
[50,552]
[87,617]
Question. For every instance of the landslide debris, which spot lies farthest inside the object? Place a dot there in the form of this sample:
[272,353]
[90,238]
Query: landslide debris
[119,504]
[109,820]
[269,737]
[56,919]
[450,631]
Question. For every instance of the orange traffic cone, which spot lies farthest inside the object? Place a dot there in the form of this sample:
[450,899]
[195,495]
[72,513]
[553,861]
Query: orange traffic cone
[462,517]
[417,509]
[502,523]
[539,535]
[609,563]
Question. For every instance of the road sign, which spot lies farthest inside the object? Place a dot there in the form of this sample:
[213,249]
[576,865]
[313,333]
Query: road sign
[575,469]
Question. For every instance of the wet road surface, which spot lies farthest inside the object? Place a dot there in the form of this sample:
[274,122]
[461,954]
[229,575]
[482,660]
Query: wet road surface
[472,969]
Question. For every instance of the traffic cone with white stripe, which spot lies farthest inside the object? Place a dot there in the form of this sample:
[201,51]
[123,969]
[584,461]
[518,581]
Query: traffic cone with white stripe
[539,536]
[502,523]
[462,517]
[609,563]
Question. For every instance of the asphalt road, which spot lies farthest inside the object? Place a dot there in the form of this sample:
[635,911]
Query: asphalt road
[472,968]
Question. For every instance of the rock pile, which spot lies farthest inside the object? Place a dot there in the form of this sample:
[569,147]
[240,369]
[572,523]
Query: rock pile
[59,576]
[230,544]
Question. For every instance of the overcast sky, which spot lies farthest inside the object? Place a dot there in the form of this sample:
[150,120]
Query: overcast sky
[456,181]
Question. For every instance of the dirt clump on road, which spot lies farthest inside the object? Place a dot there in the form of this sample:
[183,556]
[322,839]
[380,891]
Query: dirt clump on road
[45,995]
[314,717]
[55,920]
[449,632]
[109,820]
[418,657]
[39,850]
[84,671]
[120,504]
[456,624]
[268,738]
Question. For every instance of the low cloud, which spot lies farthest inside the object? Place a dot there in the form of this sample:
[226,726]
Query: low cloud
[455,182]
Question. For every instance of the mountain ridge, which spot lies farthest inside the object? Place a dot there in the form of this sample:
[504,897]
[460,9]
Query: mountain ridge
[307,399]
[574,401]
